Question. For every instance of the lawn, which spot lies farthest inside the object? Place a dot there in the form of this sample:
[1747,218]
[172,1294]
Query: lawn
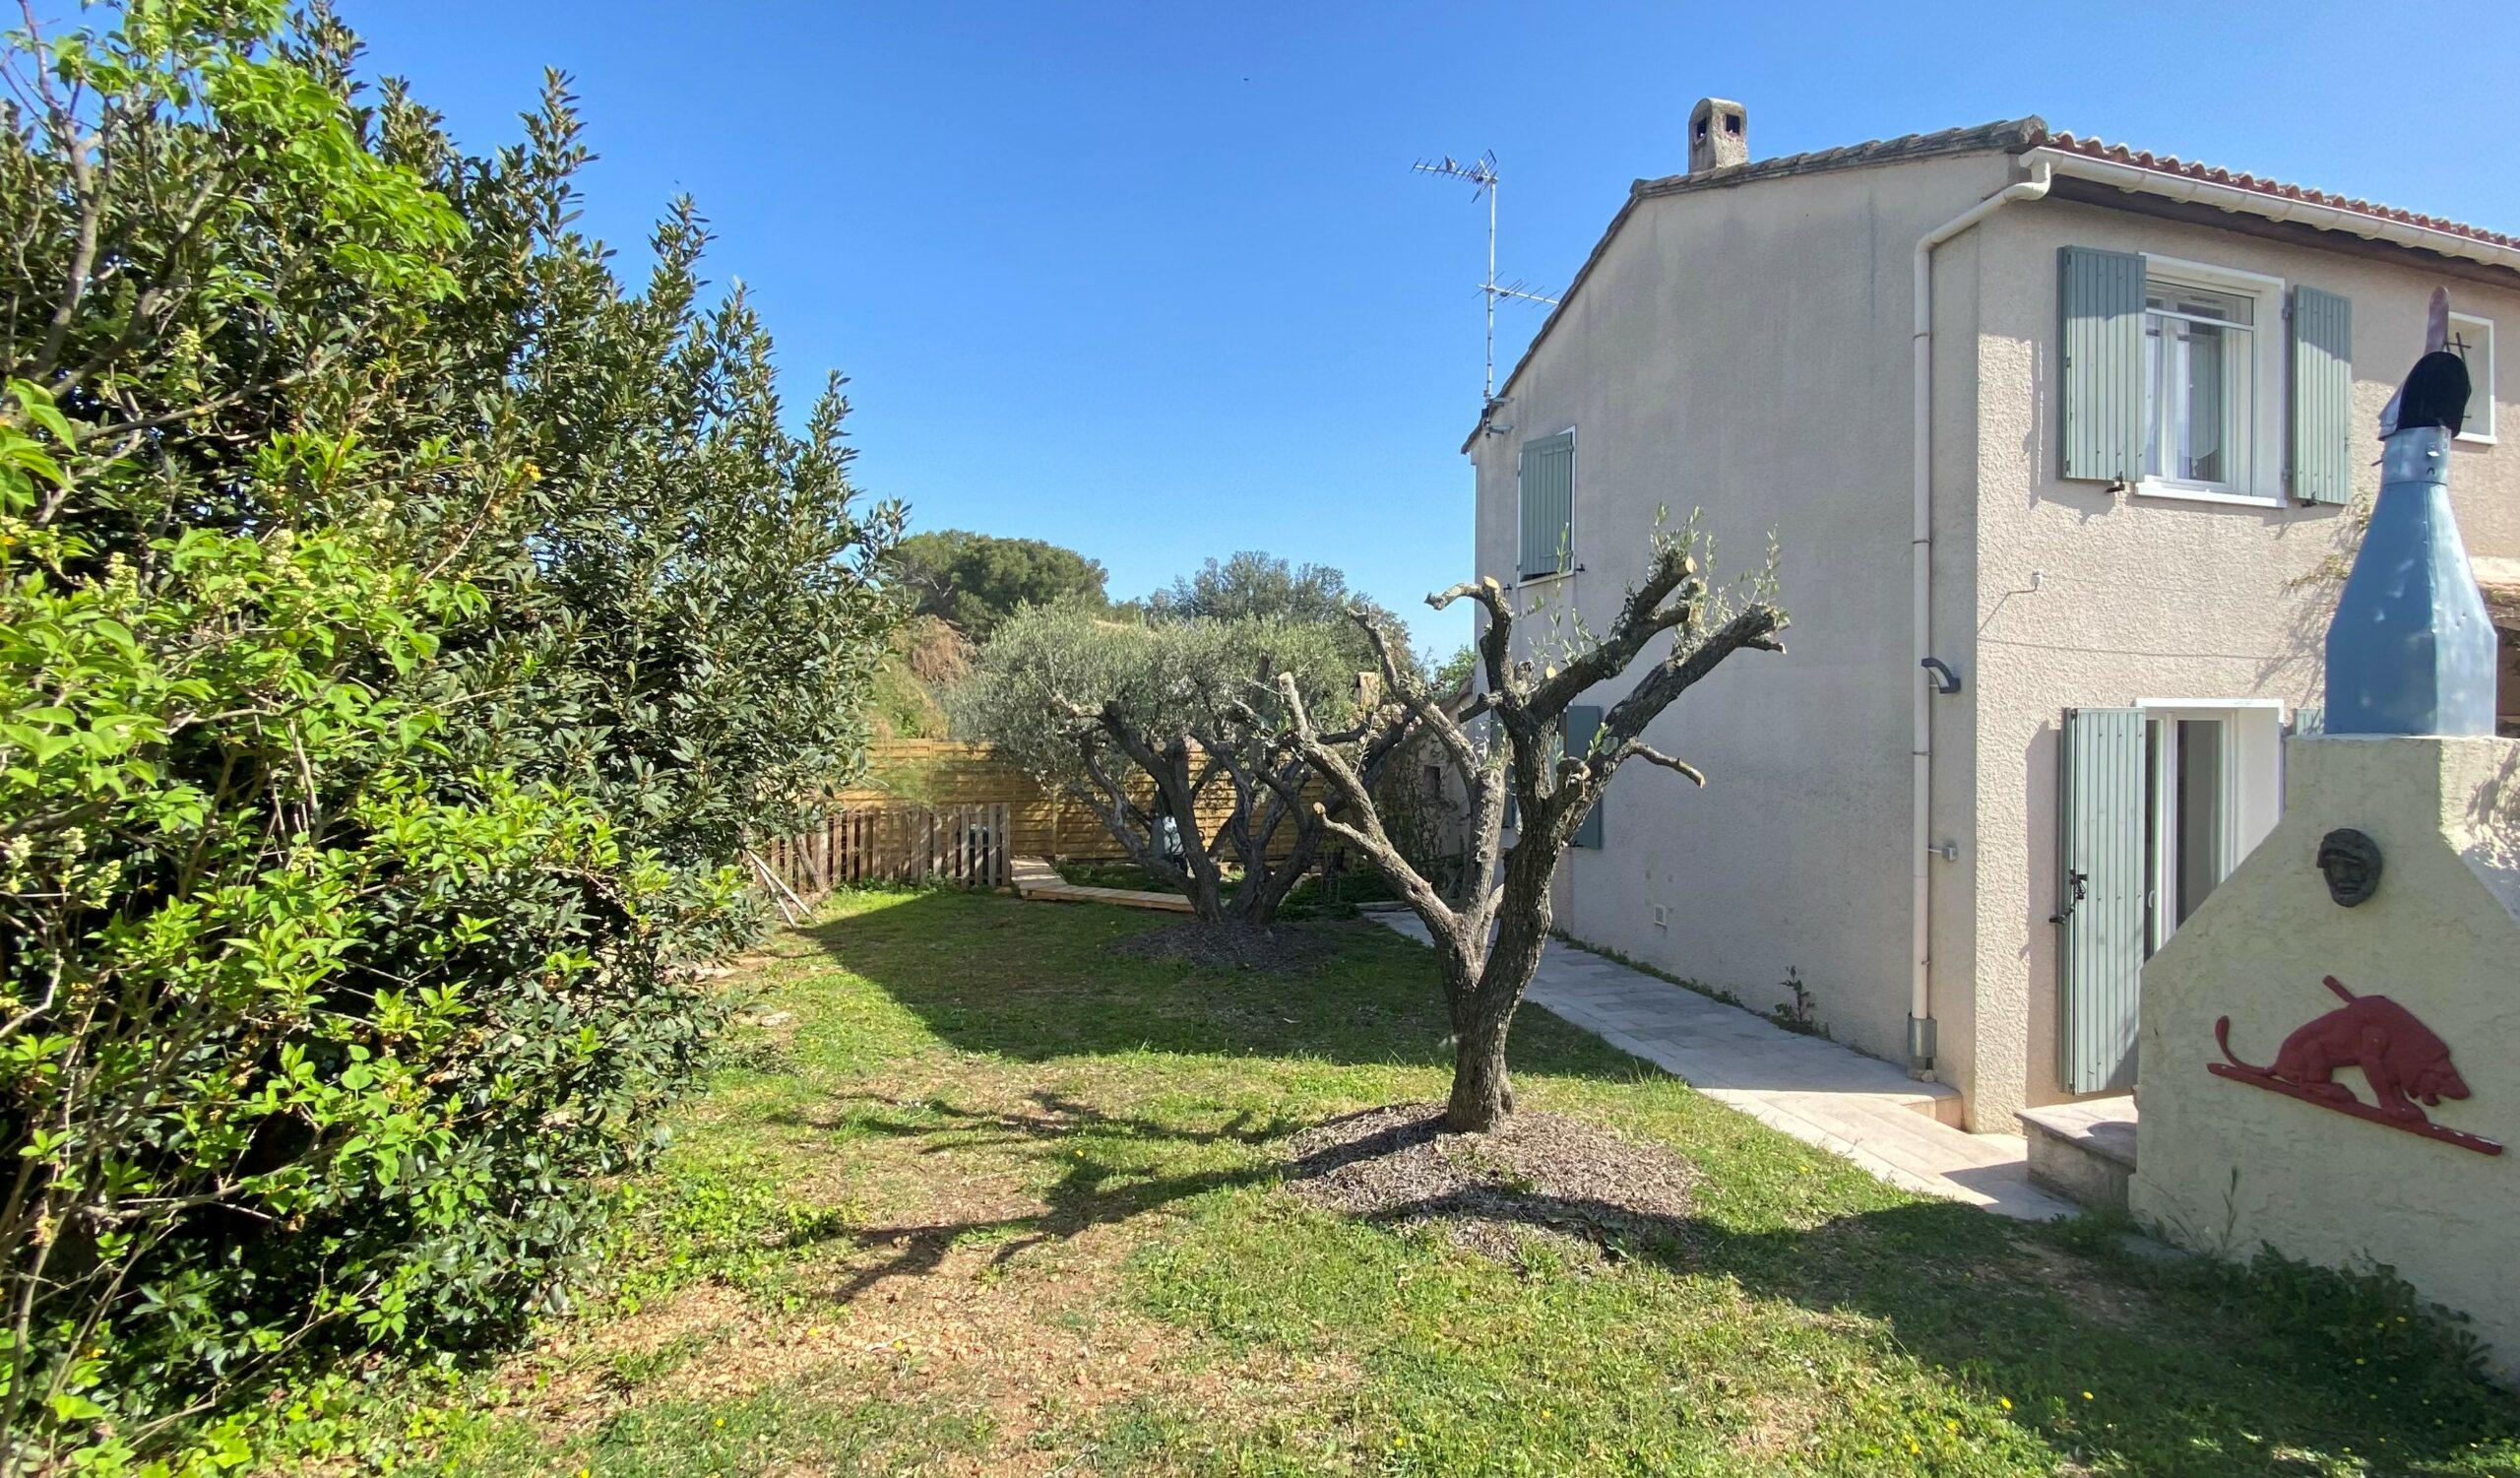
[975,1195]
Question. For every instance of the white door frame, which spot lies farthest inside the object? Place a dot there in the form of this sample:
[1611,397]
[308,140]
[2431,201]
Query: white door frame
[2252,789]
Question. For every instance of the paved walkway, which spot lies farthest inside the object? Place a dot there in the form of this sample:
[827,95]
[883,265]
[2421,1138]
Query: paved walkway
[1820,1092]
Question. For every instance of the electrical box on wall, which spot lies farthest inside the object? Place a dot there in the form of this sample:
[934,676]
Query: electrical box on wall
[1662,916]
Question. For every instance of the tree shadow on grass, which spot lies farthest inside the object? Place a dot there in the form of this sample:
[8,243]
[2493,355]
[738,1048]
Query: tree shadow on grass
[2187,1358]
[2092,1339]
[1086,1191]
[1033,981]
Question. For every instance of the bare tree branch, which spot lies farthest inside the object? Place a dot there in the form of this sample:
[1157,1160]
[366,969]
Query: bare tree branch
[1489,932]
[1637,749]
[1496,643]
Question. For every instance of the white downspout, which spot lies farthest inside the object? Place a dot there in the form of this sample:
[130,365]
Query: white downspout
[1922,1045]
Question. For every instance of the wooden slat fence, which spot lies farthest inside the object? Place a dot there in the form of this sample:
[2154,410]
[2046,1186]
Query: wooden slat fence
[967,846]
[955,772]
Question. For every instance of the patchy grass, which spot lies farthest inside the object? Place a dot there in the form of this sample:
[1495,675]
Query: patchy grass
[987,1198]
[1315,897]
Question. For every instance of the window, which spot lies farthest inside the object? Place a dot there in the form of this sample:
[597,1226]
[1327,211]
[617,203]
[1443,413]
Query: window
[2199,351]
[2472,339]
[2174,380]
[1547,496]
[1576,729]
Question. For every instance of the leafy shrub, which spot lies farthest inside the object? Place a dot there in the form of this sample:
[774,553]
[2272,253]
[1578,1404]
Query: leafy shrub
[403,631]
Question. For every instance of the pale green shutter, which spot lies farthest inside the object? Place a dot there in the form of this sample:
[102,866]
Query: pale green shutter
[2100,886]
[1548,507]
[2322,397]
[1583,721]
[2102,297]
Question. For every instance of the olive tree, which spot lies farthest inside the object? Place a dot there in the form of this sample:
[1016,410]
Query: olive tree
[1490,917]
[1140,720]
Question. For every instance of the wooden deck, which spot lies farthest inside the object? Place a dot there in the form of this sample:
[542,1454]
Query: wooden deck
[1034,877]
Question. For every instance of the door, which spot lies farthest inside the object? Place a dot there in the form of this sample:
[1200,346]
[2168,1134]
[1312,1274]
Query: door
[2193,833]
[2102,873]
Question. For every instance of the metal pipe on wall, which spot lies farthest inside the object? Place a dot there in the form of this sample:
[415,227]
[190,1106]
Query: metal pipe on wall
[1922,1045]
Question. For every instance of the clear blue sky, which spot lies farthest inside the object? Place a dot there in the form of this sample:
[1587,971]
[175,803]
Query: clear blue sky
[1153,280]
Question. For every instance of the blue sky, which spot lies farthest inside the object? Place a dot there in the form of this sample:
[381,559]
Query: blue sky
[1154,281]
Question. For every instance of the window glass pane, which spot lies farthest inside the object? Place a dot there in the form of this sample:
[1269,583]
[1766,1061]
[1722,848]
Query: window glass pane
[2197,385]
[2472,339]
[2200,302]
[2154,340]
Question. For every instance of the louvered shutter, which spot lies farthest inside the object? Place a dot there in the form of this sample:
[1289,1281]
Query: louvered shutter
[2322,397]
[1583,721]
[2101,297]
[2100,882]
[1548,507]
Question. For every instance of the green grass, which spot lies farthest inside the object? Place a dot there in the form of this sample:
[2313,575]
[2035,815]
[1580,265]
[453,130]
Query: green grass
[1313,898]
[982,1197]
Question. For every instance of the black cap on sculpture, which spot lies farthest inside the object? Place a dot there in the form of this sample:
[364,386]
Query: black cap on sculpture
[2436,393]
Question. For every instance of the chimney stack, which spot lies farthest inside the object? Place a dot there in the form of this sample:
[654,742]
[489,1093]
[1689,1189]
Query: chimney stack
[1719,135]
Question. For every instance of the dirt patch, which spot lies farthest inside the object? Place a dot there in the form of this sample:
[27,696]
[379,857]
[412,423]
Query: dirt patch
[1542,1175]
[1046,1348]
[1228,947]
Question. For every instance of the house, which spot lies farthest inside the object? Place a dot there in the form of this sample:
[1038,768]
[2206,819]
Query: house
[2062,446]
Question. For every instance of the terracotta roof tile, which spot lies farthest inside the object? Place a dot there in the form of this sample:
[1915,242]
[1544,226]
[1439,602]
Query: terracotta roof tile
[2014,136]
[2170,163]
[2018,134]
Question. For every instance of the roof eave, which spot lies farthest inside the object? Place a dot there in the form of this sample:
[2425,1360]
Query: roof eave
[2030,139]
[2238,200]
[2008,135]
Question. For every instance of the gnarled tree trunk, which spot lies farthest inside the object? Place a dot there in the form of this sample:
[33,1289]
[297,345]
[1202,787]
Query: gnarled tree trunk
[1267,779]
[1490,921]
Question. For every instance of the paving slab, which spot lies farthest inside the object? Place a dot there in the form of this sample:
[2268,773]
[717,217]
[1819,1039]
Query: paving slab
[1821,1093]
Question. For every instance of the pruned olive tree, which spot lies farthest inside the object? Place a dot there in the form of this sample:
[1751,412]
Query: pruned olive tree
[1491,917]
[1141,721]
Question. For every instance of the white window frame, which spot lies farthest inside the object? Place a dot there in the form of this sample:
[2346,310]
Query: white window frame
[2480,423]
[2268,333]
[1573,494]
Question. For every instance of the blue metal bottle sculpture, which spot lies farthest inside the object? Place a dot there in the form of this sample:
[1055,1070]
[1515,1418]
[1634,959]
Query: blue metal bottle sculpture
[2410,650]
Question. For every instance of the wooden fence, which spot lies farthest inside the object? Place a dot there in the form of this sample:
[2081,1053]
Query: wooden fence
[895,842]
[954,772]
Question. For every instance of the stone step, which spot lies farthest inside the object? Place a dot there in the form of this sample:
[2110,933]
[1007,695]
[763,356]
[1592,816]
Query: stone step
[2085,1150]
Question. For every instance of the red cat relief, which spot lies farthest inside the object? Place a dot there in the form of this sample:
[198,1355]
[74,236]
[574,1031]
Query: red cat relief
[2401,1058]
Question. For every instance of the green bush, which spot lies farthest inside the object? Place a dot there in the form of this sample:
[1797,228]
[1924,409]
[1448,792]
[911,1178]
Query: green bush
[404,629]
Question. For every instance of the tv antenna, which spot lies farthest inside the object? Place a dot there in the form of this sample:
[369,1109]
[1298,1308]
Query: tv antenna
[1481,173]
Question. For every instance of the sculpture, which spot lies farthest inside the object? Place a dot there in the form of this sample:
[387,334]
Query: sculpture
[2410,650]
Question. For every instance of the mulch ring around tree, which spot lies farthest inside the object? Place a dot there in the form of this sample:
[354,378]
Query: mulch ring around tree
[1229,946]
[1561,1181]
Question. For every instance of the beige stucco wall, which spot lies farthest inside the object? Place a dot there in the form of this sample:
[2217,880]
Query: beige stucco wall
[2142,598]
[1745,350]
[2227,1166]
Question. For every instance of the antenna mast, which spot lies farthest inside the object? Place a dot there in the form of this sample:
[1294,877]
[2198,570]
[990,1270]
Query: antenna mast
[1484,179]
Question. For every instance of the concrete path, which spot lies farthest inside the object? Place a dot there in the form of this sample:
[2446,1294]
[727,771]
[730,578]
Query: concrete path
[1820,1093]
